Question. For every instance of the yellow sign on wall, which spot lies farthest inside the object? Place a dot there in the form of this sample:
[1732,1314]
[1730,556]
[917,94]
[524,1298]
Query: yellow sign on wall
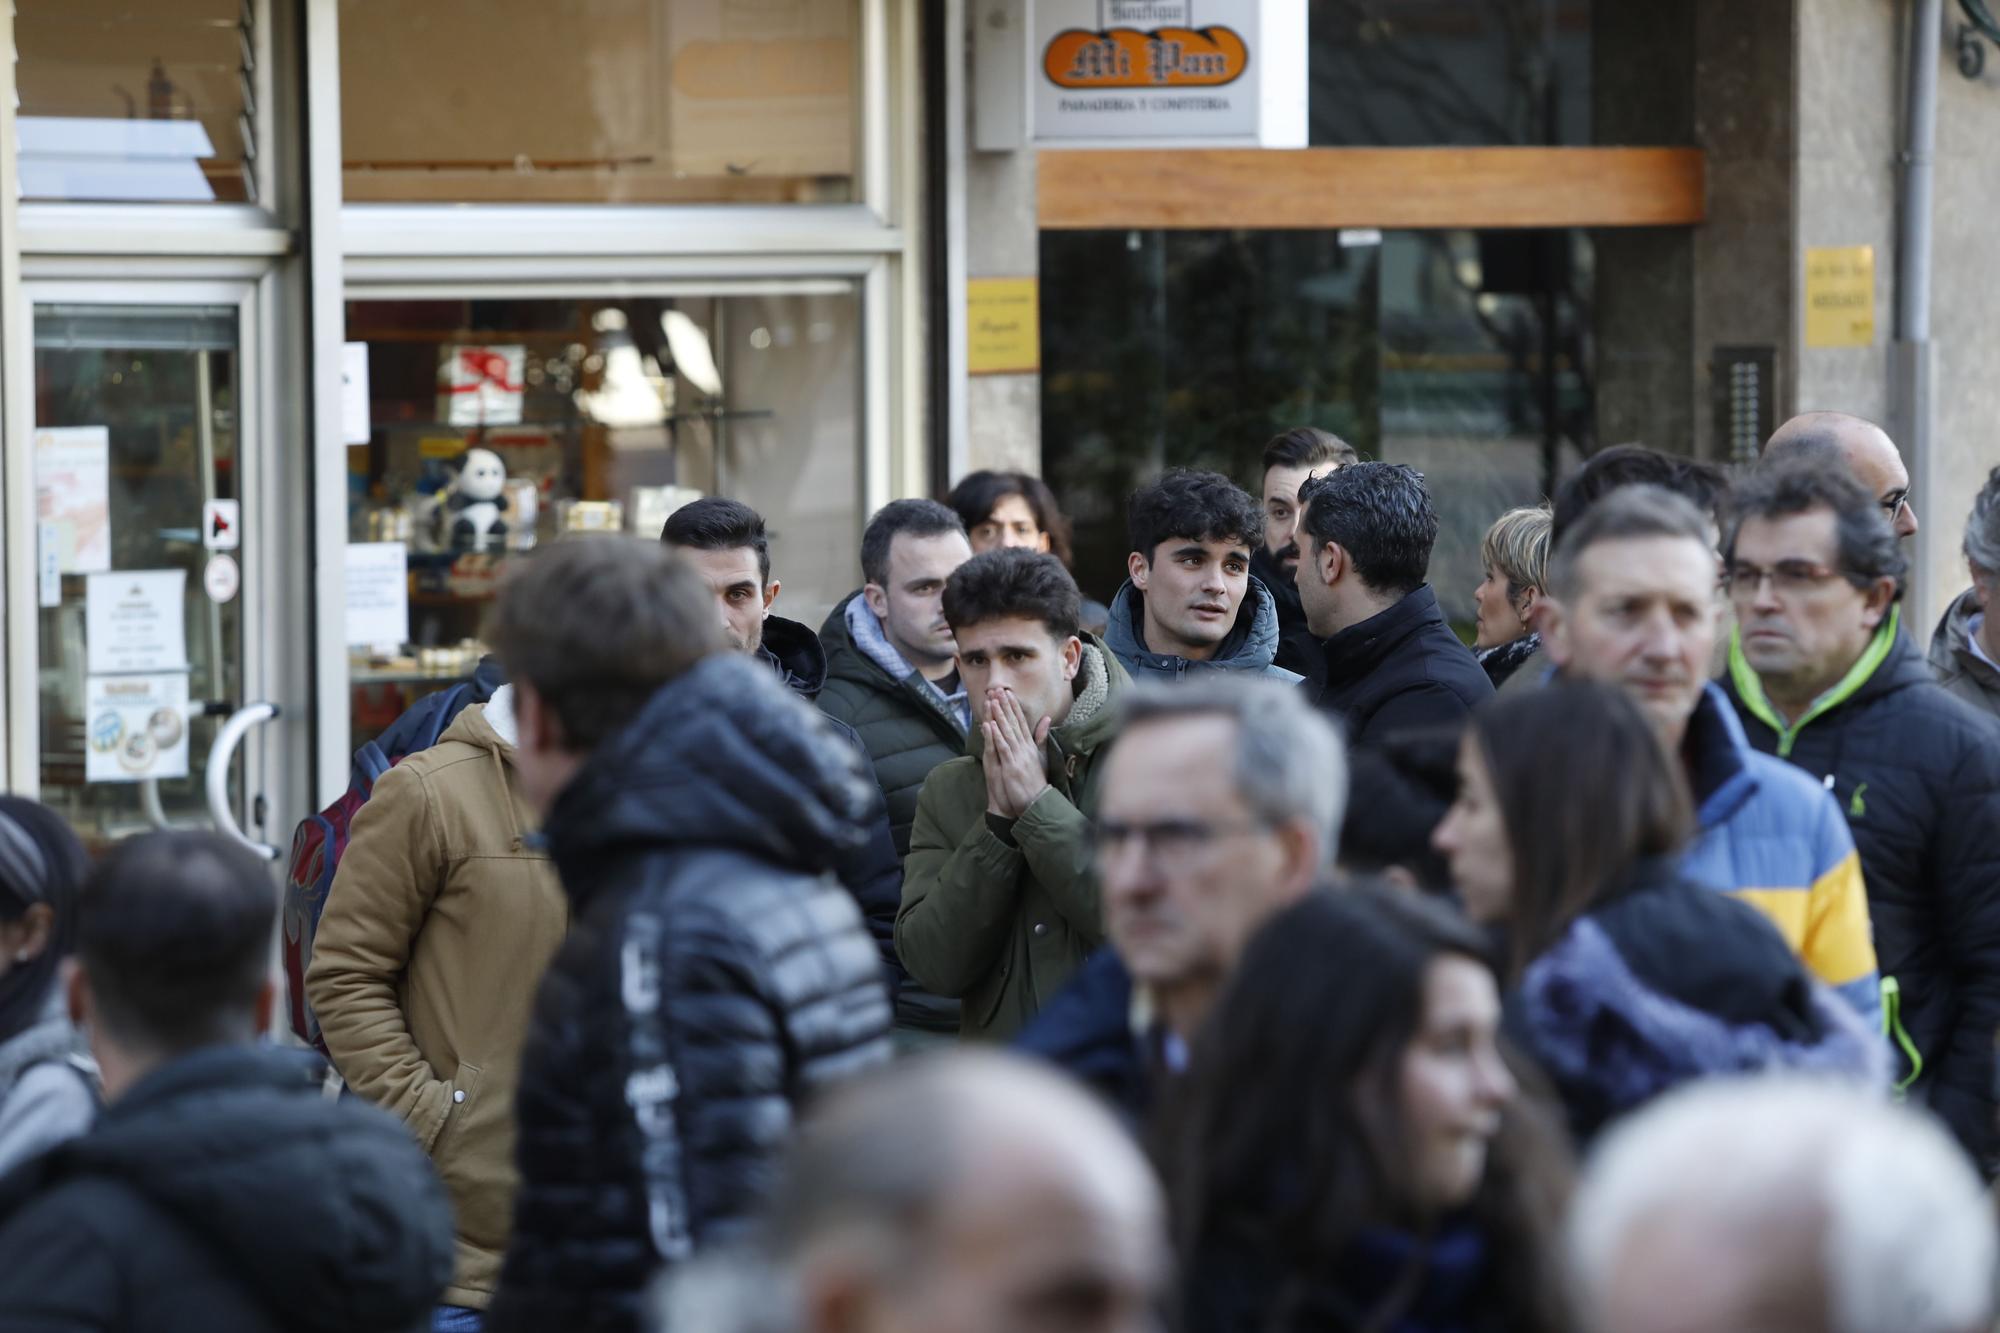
[1840,296]
[1003,331]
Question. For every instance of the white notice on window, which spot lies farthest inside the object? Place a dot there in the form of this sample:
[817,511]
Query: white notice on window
[138,727]
[378,593]
[354,393]
[134,620]
[73,494]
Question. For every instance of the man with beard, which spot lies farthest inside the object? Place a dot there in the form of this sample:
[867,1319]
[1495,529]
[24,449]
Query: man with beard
[1291,460]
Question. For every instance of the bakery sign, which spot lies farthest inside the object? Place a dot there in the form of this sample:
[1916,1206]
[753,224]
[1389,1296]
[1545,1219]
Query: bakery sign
[1153,73]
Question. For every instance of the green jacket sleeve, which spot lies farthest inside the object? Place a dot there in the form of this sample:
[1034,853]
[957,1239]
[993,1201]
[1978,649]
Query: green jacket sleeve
[959,893]
[1054,836]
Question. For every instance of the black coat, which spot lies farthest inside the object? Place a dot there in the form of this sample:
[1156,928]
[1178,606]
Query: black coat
[1401,670]
[714,978]
[872,871]
[1284,590]
[1918,773]
[224,1194]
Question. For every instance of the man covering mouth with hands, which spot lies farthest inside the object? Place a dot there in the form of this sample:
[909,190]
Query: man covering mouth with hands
[1000,902]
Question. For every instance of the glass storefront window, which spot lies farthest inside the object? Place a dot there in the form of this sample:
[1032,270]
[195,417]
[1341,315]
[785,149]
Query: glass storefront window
[498,426]
[135,430]
[1465,354]
[1422,73]
[615,101]
[135,100]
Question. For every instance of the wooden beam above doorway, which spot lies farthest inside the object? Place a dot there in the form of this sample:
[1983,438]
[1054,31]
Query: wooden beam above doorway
[1399,188]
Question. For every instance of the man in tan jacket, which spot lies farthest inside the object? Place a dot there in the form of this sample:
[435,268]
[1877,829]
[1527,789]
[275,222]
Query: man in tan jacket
[439,924]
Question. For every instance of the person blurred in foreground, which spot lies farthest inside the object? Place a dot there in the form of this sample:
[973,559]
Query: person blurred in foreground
[220,1191]
[960,1192]
[48,1082]
[1625,977]
[1515,556]
[1782,1204]
[1222,804]
[1349,1149]
[715,975]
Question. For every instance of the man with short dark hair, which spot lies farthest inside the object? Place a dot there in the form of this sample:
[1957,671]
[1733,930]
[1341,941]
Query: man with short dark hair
[1862,446]
[892,676]
[1632,603]
[714,975]
[1290,460]
[726,543]
[1221,805]
[1190,603]
[1386,661]
[1821,675]
[999,902]
[219,1189]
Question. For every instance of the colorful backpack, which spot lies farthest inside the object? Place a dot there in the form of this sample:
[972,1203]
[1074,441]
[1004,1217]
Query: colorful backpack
[320,839]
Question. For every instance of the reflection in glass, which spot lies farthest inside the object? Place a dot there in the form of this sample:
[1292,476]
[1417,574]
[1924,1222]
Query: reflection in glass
[141,100]
[1465,354]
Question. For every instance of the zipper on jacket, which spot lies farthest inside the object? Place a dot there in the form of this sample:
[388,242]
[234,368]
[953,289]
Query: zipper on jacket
[1892,1028]
[1750,687]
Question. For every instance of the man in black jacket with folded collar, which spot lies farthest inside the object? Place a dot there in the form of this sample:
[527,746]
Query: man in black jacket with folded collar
[1382,658]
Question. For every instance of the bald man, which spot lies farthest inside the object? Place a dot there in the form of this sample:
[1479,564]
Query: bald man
[1788,1204]
[965,1192]
[1866,449]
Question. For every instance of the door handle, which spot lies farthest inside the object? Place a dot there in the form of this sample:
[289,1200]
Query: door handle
[227,738]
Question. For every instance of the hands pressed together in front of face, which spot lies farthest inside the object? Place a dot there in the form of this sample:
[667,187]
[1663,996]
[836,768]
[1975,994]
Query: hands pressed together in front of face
[1015,771]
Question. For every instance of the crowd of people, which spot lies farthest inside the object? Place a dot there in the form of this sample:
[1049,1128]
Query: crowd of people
[1247,953]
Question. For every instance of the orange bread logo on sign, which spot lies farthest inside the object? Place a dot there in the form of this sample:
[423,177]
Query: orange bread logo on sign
[1129,58]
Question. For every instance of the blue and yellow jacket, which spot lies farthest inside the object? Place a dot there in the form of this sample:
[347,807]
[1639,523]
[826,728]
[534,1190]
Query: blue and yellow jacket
[1774,838]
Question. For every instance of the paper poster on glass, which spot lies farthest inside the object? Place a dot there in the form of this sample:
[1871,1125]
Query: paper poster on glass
[134,620]
[73,495]
[136,727]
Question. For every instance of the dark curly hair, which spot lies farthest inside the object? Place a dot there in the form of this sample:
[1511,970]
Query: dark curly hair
[1381,515]
[1867,545]
[1012,582]
[1186,505]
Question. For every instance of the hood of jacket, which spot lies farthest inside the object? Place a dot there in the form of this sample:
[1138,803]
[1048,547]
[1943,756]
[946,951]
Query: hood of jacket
[795,653]
[328,1210]
[1888,665]
[721,756]
[1099,687]
[857,650]
[489,725]
[1251,645]
[1952,653]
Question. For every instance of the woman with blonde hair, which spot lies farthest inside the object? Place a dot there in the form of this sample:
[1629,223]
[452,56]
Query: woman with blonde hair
[1515,555]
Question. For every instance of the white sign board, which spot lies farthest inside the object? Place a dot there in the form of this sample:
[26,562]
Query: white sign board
[137,727]
[134,621]
[354,426]
[1144,73]
[378,593]
[73,494]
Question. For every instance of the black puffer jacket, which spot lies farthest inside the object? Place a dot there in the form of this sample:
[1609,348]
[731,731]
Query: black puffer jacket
[715,977]
[223,1193]
[1400,671]
[1918,773]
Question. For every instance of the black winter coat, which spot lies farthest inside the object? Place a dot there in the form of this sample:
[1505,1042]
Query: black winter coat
[907,731]
[715,977]
[224,1194]
[873,871]
[1284,590]
[1399,671]
[1918,773]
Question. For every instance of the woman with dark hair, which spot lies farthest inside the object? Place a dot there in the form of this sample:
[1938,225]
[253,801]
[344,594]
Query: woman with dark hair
[1001,509]
[48,1083]
[1625,978]
[1348,1150]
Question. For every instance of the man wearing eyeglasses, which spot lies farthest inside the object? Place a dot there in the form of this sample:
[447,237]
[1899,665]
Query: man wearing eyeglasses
[1221,805]
[1864,447]
[1821,675]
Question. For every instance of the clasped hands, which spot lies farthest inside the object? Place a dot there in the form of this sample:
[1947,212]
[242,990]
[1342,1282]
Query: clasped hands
[1015,771]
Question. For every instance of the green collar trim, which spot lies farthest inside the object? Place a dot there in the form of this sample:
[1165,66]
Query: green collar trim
[1750,688]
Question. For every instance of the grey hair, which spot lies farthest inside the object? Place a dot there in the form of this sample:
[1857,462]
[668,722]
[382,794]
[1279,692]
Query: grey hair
[1906,1235]
[1290,761]
[1982,527]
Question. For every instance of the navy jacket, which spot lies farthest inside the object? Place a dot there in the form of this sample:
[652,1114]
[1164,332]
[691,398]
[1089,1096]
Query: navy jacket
[1399,671]
[1086,1031]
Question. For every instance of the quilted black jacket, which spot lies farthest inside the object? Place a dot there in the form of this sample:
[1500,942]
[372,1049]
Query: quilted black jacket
[715,977]
[1918,773]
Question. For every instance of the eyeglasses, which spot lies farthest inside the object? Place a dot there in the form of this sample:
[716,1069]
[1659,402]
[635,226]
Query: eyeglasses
[1788,577]
[1895,502]
[1167,839]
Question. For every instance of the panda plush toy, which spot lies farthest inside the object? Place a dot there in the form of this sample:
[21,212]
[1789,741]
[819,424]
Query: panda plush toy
[474,501]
